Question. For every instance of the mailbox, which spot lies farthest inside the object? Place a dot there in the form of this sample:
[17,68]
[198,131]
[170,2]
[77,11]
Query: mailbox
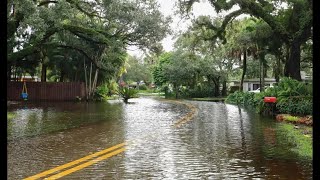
[270,99]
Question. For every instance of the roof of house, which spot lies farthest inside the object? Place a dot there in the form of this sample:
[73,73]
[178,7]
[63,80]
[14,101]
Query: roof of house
[258,80]
[254,80]
[307,78]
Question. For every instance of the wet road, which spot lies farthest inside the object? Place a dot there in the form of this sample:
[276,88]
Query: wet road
[221,142]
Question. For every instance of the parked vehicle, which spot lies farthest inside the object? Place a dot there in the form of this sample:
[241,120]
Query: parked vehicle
[258,90]
[255,91]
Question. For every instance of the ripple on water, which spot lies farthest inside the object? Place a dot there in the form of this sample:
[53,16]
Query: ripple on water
[221,142]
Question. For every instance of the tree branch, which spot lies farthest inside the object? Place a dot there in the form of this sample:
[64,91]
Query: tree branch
[257,10]
[100,35]
[222,4]
[77,5]
[219,30]
[79,50]
[31,49]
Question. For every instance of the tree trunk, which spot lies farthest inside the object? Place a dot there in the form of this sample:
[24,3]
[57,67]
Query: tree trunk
[216,86]
[44,61]
[85,78]
[44,73]
[262,77]
[292,66]
[9,67]
[95,80]
[125,100]
[194,81]
[176,89]
[262,71]
[244,69]
[260,74]
[62,74]
[277,69]
[76,76]
[90,86]
[265,69]
[224,88]
[15,73]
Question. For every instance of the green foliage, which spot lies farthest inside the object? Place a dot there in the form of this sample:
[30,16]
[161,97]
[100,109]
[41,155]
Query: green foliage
[136,71]
[298,106]
[74,32]
[301,144]
[127,93]
[213,99]
[101,93]
[293,97]
[143,87]
[158,73]
[235,98]
[200,92]
[168,92]
[180,70]
[291,118]
[112,87]
[276,27]
[10,115]
[233,89]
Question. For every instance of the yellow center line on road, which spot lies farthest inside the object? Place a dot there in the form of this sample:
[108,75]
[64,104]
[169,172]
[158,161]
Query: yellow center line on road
[187,117]
[181,121]
[74,162]
[81,166]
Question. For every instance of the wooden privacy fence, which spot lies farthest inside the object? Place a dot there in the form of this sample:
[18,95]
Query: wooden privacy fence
[57,91]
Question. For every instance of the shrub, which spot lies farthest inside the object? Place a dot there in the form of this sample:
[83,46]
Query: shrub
[143,87]
[199,92]
[127,93]
[234,89]
[297,106]
[236,98]
[101,93]
[293,97]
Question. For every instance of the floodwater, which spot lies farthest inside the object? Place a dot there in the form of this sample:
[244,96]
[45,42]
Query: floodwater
[222,141]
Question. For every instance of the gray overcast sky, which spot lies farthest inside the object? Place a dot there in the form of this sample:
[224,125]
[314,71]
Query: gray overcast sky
[167,8]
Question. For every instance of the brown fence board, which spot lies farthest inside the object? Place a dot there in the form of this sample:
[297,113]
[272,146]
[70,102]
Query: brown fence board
[60,91]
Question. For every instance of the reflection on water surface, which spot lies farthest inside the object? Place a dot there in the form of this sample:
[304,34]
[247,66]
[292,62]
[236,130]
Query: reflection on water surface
[221,142]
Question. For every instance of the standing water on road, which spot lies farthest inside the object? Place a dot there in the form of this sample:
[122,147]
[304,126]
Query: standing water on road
[221,142]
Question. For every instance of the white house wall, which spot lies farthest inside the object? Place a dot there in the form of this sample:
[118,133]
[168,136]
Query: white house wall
[245,86]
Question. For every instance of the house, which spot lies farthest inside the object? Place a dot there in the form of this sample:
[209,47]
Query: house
[253,84]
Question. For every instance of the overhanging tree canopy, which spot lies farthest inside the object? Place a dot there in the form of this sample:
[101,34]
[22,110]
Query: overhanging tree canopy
[293,23]
[33,26]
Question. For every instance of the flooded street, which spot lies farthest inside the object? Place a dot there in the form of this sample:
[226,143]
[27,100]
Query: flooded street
[222,141]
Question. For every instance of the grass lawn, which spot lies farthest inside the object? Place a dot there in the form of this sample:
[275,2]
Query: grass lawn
[10,115]
[209,99]
[300,137]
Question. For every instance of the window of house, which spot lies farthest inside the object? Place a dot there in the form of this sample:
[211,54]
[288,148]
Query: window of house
[255,86]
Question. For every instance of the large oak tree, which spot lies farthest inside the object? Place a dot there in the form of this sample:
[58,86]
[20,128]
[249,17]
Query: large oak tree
[291,20]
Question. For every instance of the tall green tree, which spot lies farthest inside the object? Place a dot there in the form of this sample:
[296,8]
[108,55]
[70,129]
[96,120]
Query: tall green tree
[158,71]
[34,25]
[293,24]
[137,71]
